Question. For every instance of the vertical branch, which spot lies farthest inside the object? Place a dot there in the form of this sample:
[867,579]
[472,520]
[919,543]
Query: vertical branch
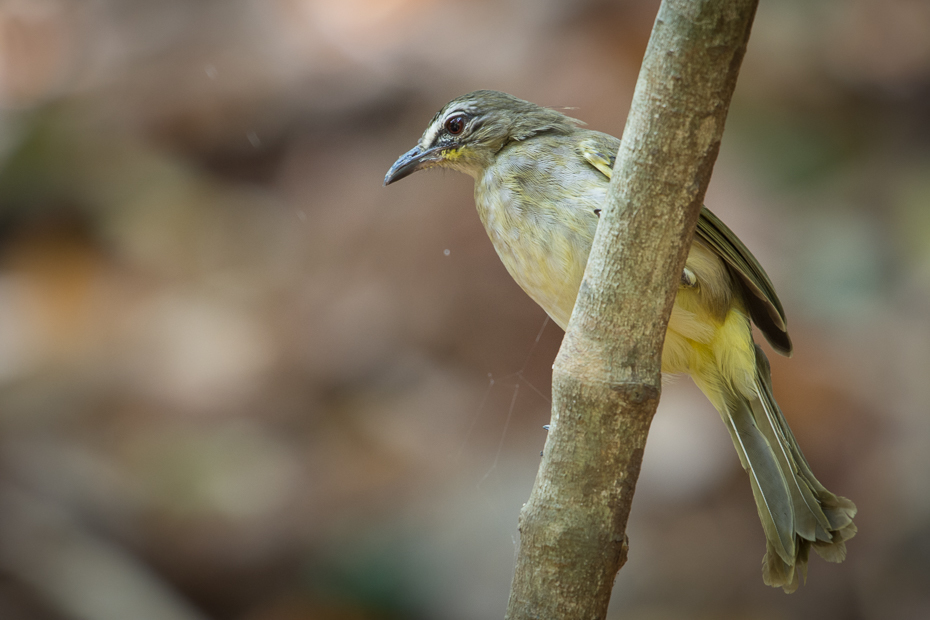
[606,379]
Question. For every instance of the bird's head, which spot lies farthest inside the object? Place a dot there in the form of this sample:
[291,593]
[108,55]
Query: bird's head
[469,131]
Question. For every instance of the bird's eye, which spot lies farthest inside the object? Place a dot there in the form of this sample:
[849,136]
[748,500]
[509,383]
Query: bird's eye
[455,124]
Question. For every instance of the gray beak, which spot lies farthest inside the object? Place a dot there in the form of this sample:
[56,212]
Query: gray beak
[410,162]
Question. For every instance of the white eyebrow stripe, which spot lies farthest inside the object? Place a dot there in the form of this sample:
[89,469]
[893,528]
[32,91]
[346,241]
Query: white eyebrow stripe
[431,132]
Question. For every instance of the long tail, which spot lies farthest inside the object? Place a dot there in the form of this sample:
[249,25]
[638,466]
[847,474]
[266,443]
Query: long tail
[797,512]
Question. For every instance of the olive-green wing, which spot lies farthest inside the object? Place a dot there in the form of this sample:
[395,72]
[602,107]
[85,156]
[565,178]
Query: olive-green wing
[600,150]
[764,306]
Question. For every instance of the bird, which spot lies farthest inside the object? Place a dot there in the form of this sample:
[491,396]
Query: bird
[541,179]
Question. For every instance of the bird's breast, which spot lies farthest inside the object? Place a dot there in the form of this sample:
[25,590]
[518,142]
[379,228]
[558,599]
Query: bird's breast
[542,231]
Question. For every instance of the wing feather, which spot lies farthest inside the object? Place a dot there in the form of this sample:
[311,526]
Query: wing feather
[765,309]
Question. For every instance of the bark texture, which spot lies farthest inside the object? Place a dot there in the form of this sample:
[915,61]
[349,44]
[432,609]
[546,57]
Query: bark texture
[606,378]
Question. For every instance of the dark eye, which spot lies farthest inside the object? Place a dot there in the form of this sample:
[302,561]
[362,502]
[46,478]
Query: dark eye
[455,124]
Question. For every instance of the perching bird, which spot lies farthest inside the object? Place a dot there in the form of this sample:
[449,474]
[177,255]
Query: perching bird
[540,180]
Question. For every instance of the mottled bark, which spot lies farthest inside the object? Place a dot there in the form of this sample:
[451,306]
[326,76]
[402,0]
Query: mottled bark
[606,378]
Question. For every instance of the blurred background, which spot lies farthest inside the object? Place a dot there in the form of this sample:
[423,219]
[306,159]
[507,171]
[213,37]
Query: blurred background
[239,379]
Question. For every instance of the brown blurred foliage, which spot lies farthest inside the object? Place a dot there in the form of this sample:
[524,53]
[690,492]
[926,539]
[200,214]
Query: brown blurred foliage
[239,379]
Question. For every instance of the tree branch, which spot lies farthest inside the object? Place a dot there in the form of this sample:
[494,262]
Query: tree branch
[606,378]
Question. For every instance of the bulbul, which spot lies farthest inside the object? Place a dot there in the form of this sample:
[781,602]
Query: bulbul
[540,180]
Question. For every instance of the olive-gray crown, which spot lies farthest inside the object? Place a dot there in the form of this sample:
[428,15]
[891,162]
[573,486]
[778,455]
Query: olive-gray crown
[488,119]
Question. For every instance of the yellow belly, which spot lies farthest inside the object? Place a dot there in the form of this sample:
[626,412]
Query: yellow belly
[541,221]
[708,333]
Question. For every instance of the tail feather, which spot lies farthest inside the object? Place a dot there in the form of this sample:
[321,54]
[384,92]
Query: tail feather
[810,522]
[797,512]
[768,483]
[837,511]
